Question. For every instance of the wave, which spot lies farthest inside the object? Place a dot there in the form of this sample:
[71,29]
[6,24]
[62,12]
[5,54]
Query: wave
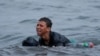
[28,21]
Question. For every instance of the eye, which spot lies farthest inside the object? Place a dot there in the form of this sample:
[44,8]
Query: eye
[41,25]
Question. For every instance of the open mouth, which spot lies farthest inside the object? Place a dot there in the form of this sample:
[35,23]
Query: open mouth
[39,31]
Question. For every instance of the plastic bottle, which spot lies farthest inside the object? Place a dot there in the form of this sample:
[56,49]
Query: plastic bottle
[75,43]
[82,45]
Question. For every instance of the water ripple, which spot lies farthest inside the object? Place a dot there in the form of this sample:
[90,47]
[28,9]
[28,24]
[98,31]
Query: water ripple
[69,19]
[38,9]
[31,21]
[83,17]
[98,6]
[2,4]
[9,36]
[14,38]
[71,29]
[97,28]
[95,20]
[75,34]
[58,7]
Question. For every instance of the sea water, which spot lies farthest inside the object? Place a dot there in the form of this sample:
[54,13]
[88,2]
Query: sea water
[76,19]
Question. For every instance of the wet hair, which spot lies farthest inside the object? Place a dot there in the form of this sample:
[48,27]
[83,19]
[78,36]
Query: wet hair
[47,21]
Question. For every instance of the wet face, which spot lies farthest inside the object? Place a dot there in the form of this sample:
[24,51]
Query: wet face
[42,28]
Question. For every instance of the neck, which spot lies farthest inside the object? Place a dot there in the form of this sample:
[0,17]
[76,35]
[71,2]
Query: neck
[46,37]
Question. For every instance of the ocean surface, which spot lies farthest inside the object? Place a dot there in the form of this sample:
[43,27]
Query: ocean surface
[76,19]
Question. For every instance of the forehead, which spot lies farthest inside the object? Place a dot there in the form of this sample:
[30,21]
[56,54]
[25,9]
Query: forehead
[41,22]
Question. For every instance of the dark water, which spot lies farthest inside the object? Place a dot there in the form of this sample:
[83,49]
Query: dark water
[76,19]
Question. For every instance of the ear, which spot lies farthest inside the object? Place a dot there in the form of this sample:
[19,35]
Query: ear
[48,29]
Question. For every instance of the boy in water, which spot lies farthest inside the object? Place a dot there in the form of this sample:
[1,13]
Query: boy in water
[47,37]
